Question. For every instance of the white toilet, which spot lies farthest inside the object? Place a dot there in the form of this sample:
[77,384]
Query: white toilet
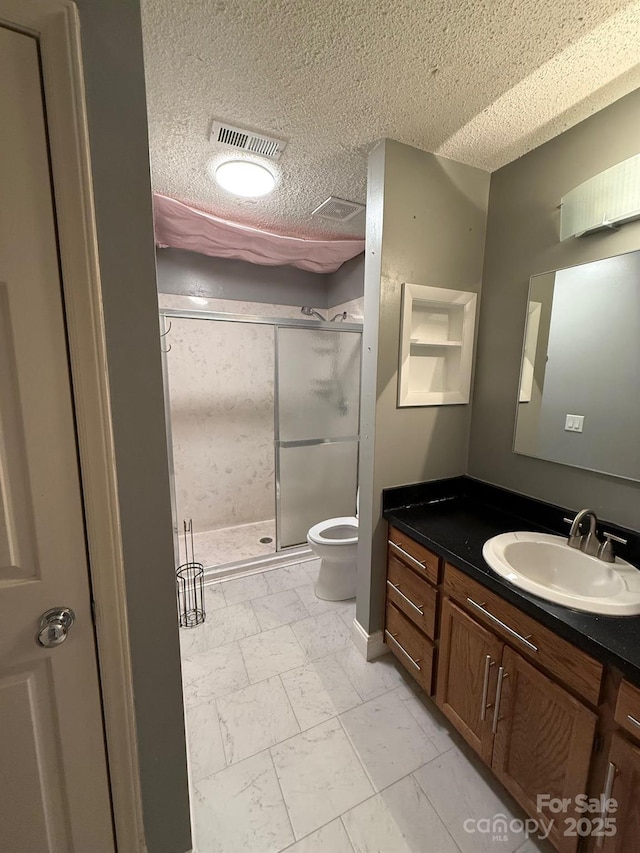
[335,541]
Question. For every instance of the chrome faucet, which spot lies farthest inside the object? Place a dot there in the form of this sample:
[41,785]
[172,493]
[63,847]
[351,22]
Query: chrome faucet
[589,543]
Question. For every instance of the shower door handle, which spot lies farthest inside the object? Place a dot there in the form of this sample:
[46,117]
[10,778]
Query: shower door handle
[311,442]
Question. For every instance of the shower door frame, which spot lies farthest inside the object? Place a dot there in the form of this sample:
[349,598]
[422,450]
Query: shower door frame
[203,314]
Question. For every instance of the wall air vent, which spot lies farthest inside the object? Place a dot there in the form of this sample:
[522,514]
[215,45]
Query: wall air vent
[338,209]
[246,140]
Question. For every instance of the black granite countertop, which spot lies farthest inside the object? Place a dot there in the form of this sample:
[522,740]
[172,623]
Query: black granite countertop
[455,517]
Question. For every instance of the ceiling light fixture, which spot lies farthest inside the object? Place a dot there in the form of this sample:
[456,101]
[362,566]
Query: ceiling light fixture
[245,178]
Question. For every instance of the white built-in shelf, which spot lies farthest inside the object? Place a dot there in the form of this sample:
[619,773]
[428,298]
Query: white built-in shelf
[436,345]
[417,343]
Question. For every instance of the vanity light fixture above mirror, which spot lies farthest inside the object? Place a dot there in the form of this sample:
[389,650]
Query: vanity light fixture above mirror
[605,201]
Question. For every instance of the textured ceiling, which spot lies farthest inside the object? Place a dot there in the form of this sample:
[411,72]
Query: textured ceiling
[482,82]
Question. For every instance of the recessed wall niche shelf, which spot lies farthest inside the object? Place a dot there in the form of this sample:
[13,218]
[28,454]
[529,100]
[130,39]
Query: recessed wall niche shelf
[436,346]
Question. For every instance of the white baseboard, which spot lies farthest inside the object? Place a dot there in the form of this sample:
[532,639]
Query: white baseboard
[370,646]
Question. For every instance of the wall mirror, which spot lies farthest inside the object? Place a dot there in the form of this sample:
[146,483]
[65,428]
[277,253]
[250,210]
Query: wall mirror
[579,393]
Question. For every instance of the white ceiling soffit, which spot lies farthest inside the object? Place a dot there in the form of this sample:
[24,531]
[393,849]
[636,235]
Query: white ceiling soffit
[481,82]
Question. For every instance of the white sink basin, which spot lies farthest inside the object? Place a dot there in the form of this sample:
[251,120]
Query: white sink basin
[546,566]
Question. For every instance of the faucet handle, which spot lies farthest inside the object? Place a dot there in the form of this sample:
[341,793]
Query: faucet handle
[611,537]
[605,551]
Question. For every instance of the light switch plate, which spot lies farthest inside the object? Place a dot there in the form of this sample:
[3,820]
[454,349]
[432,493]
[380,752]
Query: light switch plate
[574,423]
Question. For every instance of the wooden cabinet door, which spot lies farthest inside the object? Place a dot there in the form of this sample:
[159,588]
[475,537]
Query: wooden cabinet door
[468,661]
[624,762]
[543,742]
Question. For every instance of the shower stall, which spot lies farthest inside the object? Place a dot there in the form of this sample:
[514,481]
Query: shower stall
[263,429]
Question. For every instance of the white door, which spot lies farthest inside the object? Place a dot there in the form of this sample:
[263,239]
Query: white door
[54,793]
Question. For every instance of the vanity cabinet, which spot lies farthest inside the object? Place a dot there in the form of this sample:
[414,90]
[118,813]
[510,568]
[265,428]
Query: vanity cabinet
[627,713]
[414,651]
[411,620]
[413,595]
[521,696]
[543,741]
[536,737]
[467,676]
[622,783]
[619,777]
[558,658]
[415,556]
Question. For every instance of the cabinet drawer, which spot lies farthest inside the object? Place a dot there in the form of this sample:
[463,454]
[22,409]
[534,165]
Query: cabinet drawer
[413,595]
[561,659]
[627,714]
[411,647]
[420,559]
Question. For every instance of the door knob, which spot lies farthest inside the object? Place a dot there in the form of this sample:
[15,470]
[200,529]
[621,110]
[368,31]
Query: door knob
[54,626]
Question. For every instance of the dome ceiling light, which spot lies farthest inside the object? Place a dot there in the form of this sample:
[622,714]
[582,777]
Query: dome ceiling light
[245,178]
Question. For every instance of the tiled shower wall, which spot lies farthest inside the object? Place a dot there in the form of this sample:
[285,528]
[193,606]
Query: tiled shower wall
[221,384]
[221,400]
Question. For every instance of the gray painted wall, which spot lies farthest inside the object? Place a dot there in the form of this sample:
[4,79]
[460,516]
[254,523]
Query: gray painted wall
[115,85]
[426,219]
[347,282]
[191,274]
[523,239]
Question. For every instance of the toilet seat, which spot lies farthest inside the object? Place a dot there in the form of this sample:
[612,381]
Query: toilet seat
[335,542]
[335,531]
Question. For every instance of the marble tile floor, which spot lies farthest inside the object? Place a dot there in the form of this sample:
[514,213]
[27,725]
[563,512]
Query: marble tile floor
[296,743]
[230,544]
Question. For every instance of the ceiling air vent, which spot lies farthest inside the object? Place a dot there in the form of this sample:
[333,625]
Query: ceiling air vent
[247,140]
[338,209]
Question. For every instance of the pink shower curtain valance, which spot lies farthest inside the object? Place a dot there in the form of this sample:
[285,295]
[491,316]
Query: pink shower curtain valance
[179,226]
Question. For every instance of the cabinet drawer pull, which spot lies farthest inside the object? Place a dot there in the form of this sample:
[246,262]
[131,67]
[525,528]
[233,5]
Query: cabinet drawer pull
[485,687]
[496,621]
[633,720]
[606,794]
[404,651]
[420,563]
[496,711]
[417,607]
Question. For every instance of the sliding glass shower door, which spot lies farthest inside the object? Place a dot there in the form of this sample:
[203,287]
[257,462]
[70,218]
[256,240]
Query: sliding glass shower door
[317,403]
